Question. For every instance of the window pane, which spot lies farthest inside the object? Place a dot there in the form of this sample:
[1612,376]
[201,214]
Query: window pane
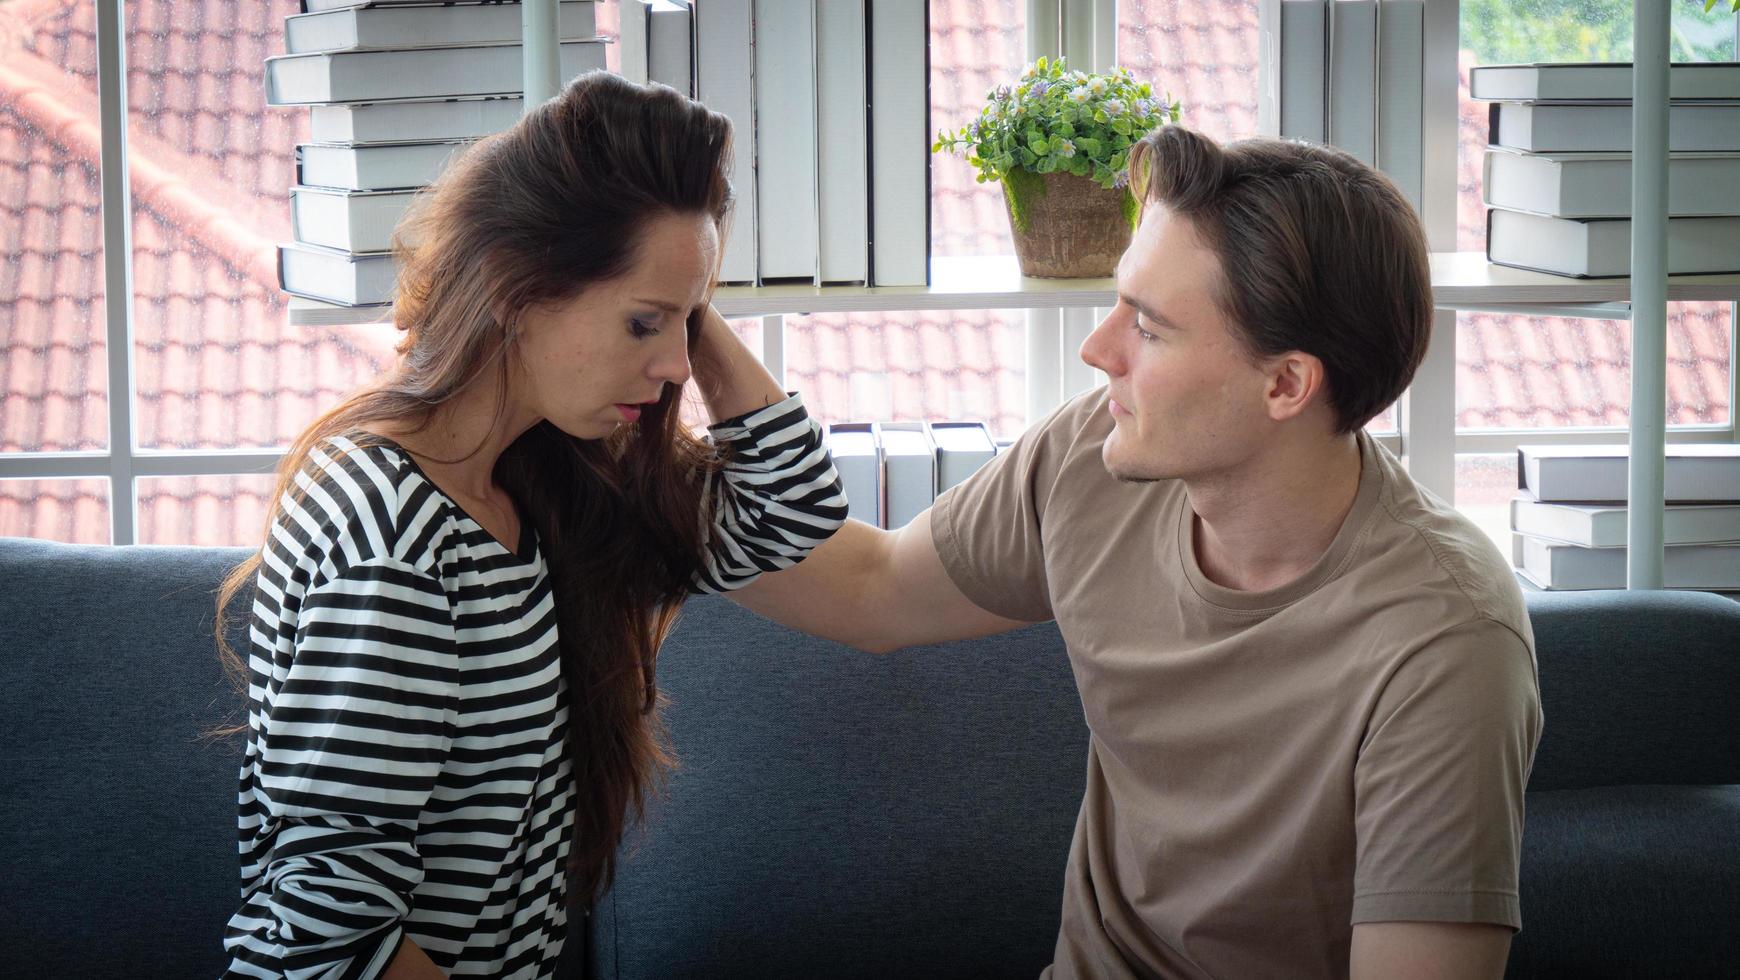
[1539,372]
[219,511]
[76,511]
[218,364]
[1203,52]
[53,352]
[1498,32]
[929,365]
[1485,482]
[974,47]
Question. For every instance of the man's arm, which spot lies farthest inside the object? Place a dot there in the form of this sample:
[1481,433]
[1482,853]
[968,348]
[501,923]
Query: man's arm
[873,589]
[1429,951]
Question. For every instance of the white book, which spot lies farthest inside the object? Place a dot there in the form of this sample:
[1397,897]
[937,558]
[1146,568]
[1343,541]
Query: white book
[417,73]
[383,166]
[376,26]
[1695,473]
[909,471]
[785,139]
[355,221]
[725,82]
[670,45]
[412,122]
[961,449]
[1597,82]
[1295,35]
[899,142]
[1600,127]
[633,33]
[857,451]
[1401,52]
[1552,565]
[334,276]
[842,133]
[1604,525]
[1601,247]
[1353,77]
[1598,185]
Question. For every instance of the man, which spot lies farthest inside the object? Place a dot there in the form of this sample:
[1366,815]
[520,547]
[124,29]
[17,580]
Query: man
[1310,684]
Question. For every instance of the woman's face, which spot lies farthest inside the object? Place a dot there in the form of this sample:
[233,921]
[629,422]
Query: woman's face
[593,362]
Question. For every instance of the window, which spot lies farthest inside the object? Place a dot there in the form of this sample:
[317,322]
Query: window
[1516,372]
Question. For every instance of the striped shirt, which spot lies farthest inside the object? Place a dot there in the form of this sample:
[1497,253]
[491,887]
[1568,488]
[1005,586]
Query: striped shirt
[404,772]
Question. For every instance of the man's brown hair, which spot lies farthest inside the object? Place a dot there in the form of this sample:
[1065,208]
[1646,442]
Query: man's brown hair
[1318,253]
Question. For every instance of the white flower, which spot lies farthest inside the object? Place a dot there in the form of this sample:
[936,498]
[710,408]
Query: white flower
[1063,148]
[1097,86]
[1113,107]
[1079,94]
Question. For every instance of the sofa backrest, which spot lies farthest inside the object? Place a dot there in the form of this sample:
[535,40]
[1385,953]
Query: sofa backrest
[117,819]
[843,815]
[1637,688]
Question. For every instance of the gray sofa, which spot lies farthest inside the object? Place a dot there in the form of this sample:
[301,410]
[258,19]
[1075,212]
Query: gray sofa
[836,814]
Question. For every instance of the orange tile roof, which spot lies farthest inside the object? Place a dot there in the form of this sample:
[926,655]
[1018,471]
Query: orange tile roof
[216,361]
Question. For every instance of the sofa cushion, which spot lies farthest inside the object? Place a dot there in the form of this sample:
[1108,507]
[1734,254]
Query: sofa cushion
[1636,688]
[117,821]
[1630,881]
[843,815]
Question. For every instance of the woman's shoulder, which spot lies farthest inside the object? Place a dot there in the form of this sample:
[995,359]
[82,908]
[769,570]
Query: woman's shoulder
[360,496]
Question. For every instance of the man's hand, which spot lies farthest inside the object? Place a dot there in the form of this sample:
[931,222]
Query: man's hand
[1429,951]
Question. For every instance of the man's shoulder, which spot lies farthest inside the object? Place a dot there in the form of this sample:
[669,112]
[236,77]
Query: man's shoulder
[1438,552]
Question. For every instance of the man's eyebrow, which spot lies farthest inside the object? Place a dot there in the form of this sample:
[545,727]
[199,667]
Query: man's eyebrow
[1146,310]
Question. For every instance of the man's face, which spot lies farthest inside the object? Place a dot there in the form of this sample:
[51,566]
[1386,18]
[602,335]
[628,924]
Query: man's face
[1185,399]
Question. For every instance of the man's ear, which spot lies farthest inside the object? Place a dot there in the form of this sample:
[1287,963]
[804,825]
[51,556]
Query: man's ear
[1295,380]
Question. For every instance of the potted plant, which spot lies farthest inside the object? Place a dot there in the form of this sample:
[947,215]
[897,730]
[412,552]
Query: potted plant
[1059,143]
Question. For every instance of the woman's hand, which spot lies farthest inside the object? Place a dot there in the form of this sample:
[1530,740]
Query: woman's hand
[730,376]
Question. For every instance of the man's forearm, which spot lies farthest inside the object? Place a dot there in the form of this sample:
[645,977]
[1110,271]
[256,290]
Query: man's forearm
[411,963]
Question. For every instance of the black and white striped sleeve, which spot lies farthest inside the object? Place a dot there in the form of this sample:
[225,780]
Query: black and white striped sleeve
[777,498]
[351,745]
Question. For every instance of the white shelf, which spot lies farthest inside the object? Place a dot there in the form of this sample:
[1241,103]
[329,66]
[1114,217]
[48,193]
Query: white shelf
[1460,280]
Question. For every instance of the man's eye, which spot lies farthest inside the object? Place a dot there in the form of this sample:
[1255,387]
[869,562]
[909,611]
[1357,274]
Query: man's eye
[1141,333]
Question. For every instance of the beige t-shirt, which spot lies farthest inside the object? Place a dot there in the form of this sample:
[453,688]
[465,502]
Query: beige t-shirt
[1265,769]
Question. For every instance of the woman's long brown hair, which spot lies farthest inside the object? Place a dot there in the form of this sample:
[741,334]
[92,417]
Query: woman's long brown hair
[527,217]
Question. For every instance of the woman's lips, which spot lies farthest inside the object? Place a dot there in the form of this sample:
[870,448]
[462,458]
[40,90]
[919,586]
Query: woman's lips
[630,413]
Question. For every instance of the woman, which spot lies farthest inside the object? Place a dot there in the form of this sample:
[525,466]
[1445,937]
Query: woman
[472,563]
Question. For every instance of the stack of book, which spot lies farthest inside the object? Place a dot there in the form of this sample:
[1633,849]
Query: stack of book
[395,91]
[1348,74]
[893,471]
[1557,175]
[1569,517]
[830,106]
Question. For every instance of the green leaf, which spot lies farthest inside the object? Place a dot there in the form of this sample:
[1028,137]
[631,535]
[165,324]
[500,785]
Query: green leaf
[1079,166]
[1089,145]
[1119,159]
[1039,146]
[1046,165]
[1066,130]
[1026,157]
[1121,127]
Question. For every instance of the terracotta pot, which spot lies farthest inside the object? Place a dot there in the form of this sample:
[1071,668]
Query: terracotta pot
[1067,227]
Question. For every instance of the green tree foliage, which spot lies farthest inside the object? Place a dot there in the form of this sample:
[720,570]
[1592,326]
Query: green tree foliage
[1518,31]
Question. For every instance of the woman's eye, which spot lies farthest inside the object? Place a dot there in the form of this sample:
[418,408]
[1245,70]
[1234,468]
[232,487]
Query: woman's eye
[640,328]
